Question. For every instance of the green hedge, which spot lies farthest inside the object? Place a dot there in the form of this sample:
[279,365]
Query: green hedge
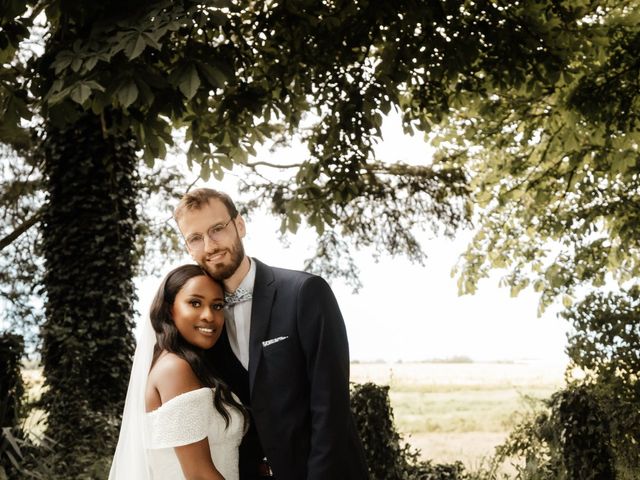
[388,457]
[586,435]
[570,439]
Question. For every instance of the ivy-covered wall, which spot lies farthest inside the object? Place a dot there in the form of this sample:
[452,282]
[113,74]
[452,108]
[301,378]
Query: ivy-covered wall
[89,230]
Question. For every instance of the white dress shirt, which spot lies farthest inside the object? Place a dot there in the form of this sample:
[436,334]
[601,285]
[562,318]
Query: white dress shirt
[238,320]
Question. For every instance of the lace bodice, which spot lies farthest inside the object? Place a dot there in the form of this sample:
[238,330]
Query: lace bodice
[188,418]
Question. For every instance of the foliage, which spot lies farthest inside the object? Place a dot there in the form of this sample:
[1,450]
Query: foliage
[605,336]
[532,449]
[11,392]
[21,268]
[11,384]
[549,126]
[40,459]
[569,439]
[591,428]
[387,457]
[604,344]
[504,90]
[237,74]
[88,238]
[243,67]
[233,76]
[586,438]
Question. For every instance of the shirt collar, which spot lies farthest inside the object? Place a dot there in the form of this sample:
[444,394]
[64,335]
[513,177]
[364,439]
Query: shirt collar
[250,278]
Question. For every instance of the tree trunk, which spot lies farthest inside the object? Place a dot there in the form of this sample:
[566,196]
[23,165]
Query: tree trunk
[88,228]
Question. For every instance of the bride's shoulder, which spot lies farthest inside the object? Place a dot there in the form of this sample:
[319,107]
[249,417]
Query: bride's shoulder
[171,376]
[170,364]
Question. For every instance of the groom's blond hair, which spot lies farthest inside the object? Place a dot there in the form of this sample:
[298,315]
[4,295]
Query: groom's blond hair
[197,198]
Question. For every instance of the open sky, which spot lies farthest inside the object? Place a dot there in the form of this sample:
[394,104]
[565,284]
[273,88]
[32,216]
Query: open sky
[408,312]
[411,312]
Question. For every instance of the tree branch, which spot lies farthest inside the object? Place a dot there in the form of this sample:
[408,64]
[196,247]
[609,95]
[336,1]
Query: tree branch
[272,165]
[23,227]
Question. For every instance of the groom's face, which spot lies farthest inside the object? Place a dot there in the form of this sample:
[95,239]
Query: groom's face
[214,239]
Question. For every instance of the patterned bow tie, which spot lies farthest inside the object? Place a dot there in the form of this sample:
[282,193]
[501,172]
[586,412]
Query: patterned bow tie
[240,295]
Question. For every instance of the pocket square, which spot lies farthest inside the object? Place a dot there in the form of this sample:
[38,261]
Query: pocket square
[266,343]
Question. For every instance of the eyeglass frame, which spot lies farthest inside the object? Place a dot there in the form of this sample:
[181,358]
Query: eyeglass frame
[219,228]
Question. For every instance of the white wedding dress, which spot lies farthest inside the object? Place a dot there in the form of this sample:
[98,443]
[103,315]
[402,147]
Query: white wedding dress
[188,418]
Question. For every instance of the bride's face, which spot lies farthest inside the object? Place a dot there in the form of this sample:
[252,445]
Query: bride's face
[198,311]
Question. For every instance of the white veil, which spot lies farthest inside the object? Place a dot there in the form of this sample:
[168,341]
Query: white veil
[131,459]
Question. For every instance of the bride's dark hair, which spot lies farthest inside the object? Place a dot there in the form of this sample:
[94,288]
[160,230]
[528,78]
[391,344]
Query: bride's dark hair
[169,339]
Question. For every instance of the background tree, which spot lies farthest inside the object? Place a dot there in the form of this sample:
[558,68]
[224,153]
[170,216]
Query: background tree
[590,429]
[552,147]
[604,344]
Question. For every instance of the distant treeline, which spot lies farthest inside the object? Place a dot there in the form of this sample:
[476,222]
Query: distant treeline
[453,359]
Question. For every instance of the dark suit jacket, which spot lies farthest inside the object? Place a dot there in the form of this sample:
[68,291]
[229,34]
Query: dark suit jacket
[298,386]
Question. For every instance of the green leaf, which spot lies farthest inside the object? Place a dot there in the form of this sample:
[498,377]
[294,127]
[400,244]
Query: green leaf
[212,75]
[155,145]
[148,158]
[189,82]
[624,161]
[135,46]
[80,93]
[127,93]
[146,94]
[62,61]
[484,197]
[57,97]
[93,85]
[238,154]
[76,64]
[218,173]
[90,63]
[225,161]
[100,102]
[205,170]
[294,222]
[152,41]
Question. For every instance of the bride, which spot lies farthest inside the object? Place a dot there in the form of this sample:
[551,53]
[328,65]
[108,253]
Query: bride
[180,421]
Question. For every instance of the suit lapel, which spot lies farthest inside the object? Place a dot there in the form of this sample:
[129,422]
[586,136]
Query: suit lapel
[263,294]
[225,363]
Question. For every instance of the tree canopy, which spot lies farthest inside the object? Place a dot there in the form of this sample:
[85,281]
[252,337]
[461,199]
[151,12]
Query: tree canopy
[552,147]
[532,106]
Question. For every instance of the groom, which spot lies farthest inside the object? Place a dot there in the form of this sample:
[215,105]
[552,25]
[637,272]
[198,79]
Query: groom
[284,352]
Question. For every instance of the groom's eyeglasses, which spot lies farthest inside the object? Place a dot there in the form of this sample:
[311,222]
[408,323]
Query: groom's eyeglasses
[215,234]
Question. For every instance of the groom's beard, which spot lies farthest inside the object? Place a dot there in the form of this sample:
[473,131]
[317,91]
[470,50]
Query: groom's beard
[221,271]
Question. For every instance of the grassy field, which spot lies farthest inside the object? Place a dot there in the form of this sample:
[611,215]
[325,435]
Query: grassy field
[448,411]
[33,382]
[459,411]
